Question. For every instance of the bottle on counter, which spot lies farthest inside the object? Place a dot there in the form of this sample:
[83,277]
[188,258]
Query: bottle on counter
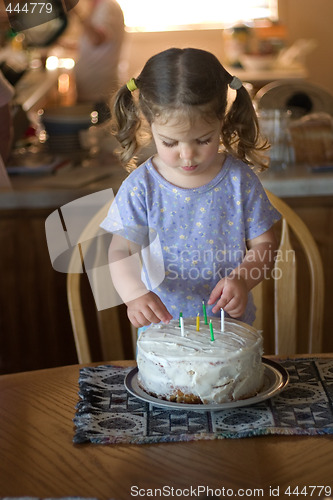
[236,41]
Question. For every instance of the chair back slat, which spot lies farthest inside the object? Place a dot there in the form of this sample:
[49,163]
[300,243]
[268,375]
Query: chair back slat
[285,303]
[106,296]
[258,298]
[315,307]
[98,278]
[77,316]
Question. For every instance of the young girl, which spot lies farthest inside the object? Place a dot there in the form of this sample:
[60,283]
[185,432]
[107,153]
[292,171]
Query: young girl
[198,195]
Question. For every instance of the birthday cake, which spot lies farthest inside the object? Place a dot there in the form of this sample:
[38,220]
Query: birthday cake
[189,367]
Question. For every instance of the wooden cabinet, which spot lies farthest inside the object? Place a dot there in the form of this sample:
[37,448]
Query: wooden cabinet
[35,329]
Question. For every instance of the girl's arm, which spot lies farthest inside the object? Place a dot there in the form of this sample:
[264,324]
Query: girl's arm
[231,292]
[143,306]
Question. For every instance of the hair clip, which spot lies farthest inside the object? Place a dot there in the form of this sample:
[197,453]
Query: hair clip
[131,85]
[235,83]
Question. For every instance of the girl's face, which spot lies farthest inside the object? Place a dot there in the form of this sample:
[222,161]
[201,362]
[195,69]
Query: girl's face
[187,150]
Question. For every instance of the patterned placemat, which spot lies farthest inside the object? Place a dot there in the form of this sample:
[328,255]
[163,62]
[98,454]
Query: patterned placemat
[107,414]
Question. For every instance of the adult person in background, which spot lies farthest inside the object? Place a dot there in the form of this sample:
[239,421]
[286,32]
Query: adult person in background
[6,131]
[96,69]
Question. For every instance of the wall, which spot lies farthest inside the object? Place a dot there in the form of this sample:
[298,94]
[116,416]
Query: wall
[138,47]
[312,19]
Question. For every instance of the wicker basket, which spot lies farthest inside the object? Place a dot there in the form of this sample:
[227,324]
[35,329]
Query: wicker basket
[312,139]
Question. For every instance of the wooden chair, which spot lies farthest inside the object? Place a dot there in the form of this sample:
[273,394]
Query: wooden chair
[104,334]
[290,304]
[289,313]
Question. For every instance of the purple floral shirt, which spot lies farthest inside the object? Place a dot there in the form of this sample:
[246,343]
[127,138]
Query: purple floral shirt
[196,235]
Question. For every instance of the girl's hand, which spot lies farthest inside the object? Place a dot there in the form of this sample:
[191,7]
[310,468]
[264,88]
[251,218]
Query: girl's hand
[231,294]
[147,309]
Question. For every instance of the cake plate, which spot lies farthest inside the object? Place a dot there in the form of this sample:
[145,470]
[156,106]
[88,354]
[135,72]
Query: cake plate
[275,380]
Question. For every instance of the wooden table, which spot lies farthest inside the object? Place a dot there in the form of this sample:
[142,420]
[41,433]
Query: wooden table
[38,458]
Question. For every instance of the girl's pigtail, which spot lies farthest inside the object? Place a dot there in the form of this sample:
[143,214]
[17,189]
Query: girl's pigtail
[125,126]
[240,132]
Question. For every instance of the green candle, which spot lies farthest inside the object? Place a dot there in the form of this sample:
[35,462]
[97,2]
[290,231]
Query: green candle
[211,331]
[204,312]
[180,316]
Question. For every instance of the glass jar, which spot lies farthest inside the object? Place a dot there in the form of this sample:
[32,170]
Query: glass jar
[274,126]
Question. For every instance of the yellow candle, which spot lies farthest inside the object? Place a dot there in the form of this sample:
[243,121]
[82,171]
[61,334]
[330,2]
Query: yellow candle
[198,322]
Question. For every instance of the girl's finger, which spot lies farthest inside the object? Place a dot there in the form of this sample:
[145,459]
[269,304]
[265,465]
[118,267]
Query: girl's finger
[221,304]
[216,293]
[138,319]
[160,312]
[150,316]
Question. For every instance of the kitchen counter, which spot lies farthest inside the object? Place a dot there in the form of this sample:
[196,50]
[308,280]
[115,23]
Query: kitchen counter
[46,191]
[52,191]
[298,181]
[264,76]
[60,179]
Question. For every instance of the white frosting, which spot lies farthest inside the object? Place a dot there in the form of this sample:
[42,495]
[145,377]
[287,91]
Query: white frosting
[226,369]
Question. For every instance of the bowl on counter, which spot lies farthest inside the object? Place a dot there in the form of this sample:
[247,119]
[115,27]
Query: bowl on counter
[257,62]
[68,119]
[63,125]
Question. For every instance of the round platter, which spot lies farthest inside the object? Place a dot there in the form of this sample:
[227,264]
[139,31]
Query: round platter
[275,380]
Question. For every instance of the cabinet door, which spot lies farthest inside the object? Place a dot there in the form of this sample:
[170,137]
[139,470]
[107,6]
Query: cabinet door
[35,329]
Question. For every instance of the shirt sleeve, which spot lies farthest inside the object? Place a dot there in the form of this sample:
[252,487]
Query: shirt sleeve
[260,215]
[127,215]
